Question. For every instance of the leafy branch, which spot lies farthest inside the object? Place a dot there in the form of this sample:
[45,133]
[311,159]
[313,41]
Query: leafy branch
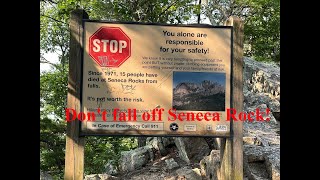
[54,19]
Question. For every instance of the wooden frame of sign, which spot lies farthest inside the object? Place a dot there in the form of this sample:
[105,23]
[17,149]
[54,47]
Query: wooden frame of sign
[231,146]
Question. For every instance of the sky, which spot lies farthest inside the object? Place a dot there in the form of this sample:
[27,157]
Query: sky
[197,77]
[52,57]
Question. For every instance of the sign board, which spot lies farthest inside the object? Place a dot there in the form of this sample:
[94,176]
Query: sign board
[109,46]
[149,79]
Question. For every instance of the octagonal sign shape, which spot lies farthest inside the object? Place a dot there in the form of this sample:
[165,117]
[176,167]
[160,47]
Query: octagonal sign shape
[109,46]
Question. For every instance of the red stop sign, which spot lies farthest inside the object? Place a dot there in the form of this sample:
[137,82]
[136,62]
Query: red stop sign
[109,46]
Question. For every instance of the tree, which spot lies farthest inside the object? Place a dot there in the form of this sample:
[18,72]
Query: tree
[262,31]
[53,91]
[261,21]
[52,143]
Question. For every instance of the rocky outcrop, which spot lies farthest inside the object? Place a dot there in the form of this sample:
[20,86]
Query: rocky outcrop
[192,96]
[171,163]
[191,149]
[262,140]
[262,84]
[188,173]
[45,176]
[160,143]
[262,162]
[135,159]
[100,177]
[205,86]
[111,168]
[210,165]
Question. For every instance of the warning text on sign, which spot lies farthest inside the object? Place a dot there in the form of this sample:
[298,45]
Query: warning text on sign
[125,126]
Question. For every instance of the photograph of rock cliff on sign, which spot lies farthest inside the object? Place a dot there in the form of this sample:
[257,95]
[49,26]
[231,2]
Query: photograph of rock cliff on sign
[199,91]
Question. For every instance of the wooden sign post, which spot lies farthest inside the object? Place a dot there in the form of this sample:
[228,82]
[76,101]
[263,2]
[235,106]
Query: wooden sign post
[231,145]
[231,151]
[74,160]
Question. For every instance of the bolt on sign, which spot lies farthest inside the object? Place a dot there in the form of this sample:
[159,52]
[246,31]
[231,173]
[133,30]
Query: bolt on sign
[148,79]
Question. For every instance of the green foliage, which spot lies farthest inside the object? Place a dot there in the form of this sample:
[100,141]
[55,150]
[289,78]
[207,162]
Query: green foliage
[100,150]
[53,92]
[52,145]
[143,10]
[262,31]
[261,24]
